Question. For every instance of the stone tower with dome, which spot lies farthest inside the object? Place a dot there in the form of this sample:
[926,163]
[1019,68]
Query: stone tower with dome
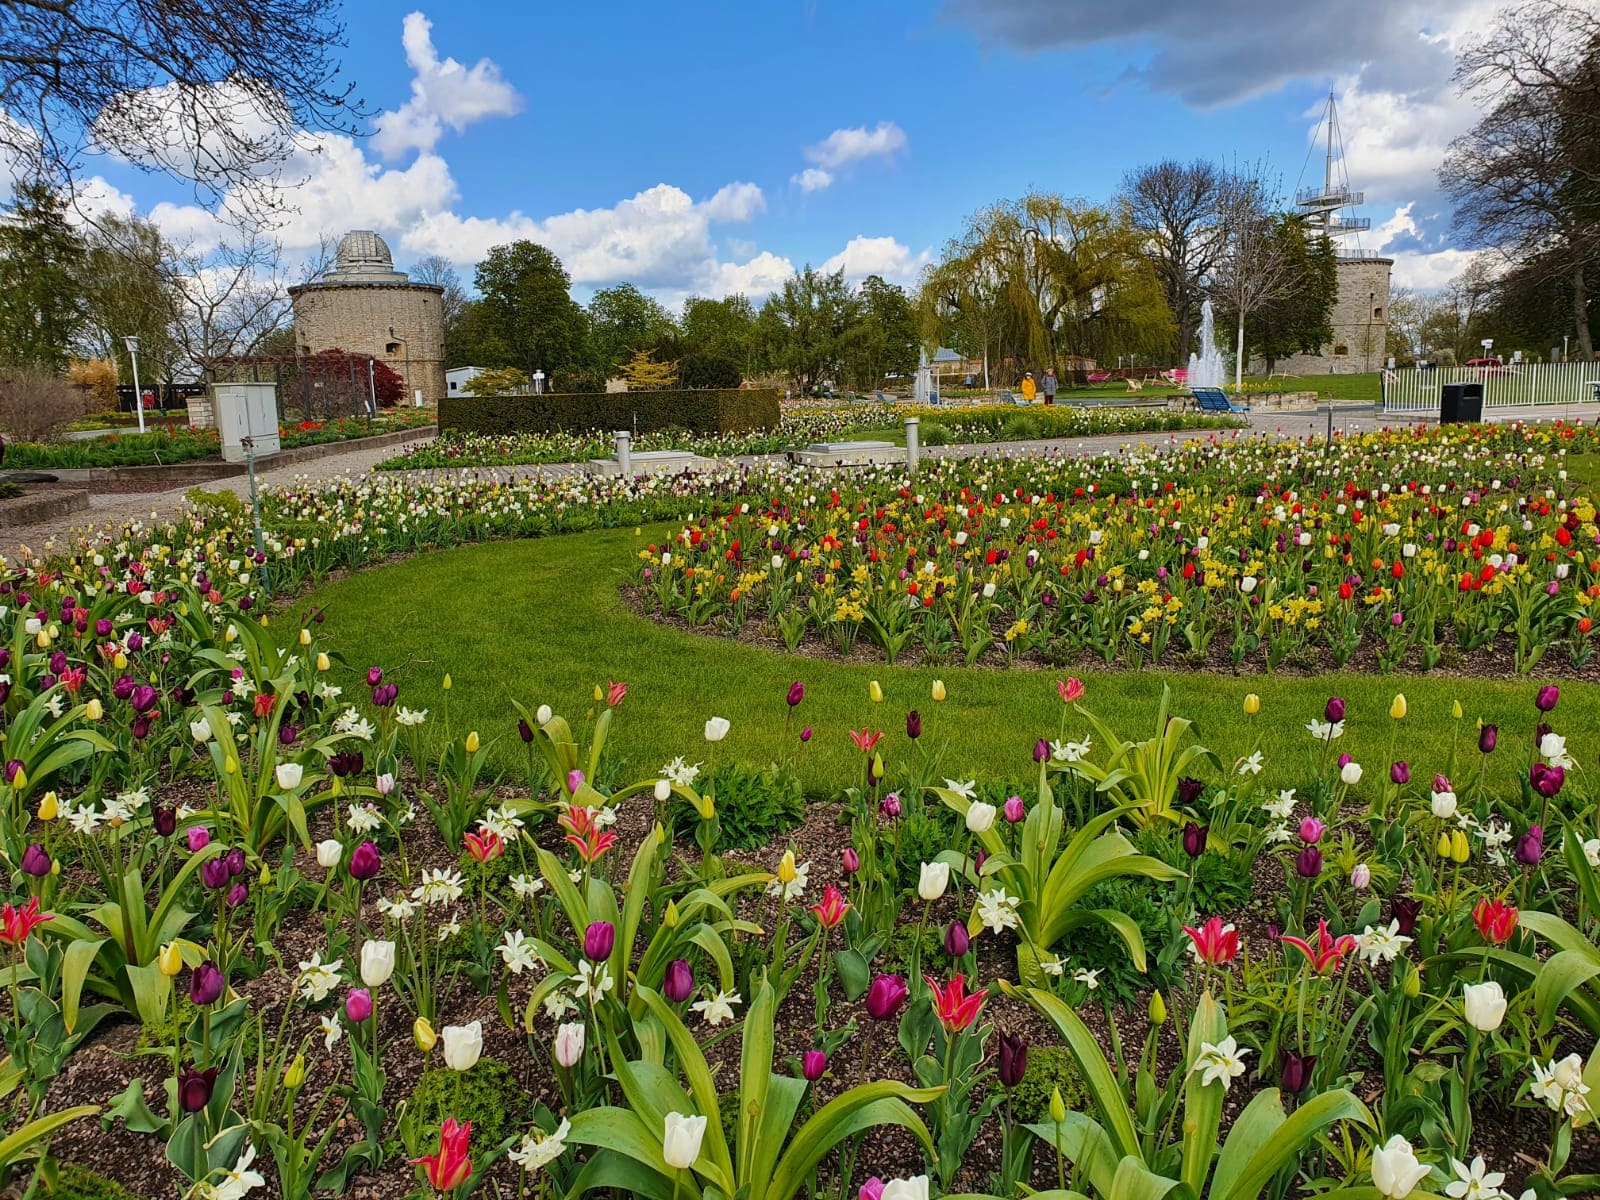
[365,306]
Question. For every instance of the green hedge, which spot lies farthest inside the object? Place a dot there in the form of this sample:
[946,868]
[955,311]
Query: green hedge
[704,411]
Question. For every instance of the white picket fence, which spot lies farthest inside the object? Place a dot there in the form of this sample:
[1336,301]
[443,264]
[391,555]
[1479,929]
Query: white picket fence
[1415,391]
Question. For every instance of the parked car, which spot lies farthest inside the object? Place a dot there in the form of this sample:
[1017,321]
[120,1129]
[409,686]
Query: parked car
[1490,367]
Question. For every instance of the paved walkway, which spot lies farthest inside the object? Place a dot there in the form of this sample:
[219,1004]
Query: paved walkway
[114,509]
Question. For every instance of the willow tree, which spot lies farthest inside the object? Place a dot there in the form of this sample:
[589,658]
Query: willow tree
[1043,276]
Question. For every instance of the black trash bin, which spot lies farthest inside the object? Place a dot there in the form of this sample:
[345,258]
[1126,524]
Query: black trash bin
[1460,403]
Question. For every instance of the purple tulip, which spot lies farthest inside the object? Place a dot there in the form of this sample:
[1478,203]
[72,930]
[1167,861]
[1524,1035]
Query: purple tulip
[235,861]
[956,939]
[1294,1071]
[214,873]
[1404,913]
[194,1088]
[135,642]
[1530,846]
[1013,1059]
[1487,737]
[1549,695]
[1311,830]
[797,693]
[1334,711]
[812,1065]
[805,734]
[1189,790]
[598,940]
[374,676]
[524,730]
[913,724]
[145,698]
[206,983]
[1400,773]
[365,861]
[889,806]
[1015,810]
[1547,780]
[1308,863]
[11,768]
[238,893]
[358,1005]
[199,838]
[1441,783]
[852,860]
[347,763]
[678,985]
[886,996]
[287,734]
[36,860]
[1041,750]
[574,781]
[1194,839]
[102,628]
[58,663]
[1344,761]
[164,819]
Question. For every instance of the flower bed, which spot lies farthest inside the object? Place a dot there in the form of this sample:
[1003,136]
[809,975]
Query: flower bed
[355,955]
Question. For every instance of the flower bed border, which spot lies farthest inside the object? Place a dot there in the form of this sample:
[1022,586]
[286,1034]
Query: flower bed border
[38,507]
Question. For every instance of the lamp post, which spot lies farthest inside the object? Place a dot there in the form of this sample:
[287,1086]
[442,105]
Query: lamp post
[132,343]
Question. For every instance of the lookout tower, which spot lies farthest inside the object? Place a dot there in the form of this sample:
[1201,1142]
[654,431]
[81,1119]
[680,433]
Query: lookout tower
[365,306]
[1360,317]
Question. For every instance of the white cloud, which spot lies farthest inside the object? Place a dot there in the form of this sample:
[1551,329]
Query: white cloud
[735,202]
[863,256]
[443,92]
[812,179]
[761,275]
[845,146]
[1417,264]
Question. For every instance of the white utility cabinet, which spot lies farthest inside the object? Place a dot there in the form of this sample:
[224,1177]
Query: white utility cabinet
[246,410]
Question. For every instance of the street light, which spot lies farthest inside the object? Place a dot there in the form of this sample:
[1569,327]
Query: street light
[132,343]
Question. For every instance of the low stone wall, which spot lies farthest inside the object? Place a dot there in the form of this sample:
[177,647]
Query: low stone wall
[35,508]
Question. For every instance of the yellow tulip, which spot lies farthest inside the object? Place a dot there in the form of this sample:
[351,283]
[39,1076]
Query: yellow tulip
[598,694]
[263,622]
[230,634]
[786,868]
[422,1033]
[170,959]
[94,710]
[1252,704]
[231,765]
[447,681]
[1397,710]
[1455,709]
[472,742]
[322,662]
[1443,847]
[1413,984]
[1460,848]
[20,780]
[49,807]
[670,918]
[1058,1107]
[296,1074]
[43,639]
[120,662]
[938,691]
[875,692]
[305,637]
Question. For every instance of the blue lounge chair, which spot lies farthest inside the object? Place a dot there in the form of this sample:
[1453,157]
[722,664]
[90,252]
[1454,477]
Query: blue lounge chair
[1216,400]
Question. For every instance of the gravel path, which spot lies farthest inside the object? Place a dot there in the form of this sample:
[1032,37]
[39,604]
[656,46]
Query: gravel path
[112,510]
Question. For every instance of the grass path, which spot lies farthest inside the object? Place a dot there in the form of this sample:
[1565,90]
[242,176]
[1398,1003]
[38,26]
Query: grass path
[542,621]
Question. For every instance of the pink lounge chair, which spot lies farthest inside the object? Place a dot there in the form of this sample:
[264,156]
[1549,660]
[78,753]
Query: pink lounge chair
[1099,376]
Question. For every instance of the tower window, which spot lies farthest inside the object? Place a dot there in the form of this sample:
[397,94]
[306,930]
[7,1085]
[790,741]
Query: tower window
[1341,350]
[392,348]
[1377,314]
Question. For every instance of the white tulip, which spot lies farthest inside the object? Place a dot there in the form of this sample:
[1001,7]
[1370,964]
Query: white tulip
[915,1188]
[1350,773]
[717,728]
[377,963]
[200,731]
[980,817]
[935,877]
[1395,1169]
[544,714]
[680,1140]
[289,775]
[462,1045]
[569,1044]
[329,854]
[663,790]
[1484,1005]
[1443,805]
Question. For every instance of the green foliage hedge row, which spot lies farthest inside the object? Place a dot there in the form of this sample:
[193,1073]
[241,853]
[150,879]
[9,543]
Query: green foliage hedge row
[703,410]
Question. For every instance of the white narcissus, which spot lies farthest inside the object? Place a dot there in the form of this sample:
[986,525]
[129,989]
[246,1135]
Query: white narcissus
[680,1140]
[462,1045]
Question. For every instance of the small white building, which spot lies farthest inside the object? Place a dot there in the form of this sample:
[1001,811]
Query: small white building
[456,380]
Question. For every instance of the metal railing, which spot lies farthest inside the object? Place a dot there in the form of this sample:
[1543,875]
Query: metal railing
[1416,390]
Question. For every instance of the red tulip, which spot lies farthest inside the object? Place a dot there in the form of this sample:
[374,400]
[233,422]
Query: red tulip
[1328,954]
[955,1007]
[1496,920]
[614,694]
[451,1166]
[1214,942]
[865,740]
[17,923]
[486,845]
[1070,690]
[831,910]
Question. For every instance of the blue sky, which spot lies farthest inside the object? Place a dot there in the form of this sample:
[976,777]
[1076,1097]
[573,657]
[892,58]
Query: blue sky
[711,147]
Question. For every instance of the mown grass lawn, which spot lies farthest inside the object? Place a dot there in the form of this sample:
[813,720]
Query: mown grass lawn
[542,621]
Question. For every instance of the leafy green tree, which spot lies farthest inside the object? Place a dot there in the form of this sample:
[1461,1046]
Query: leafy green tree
[725,328]
[526,309]
[42,307]
[127,289]
[473,342]
[1296,321]
[622,320]
[803,325]
[883,338]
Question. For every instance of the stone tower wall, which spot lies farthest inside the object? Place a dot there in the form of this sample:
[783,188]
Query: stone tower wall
[1360,325]
[358,317]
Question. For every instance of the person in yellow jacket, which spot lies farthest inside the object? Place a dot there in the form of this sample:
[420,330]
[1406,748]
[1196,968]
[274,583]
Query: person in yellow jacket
[1029,388]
